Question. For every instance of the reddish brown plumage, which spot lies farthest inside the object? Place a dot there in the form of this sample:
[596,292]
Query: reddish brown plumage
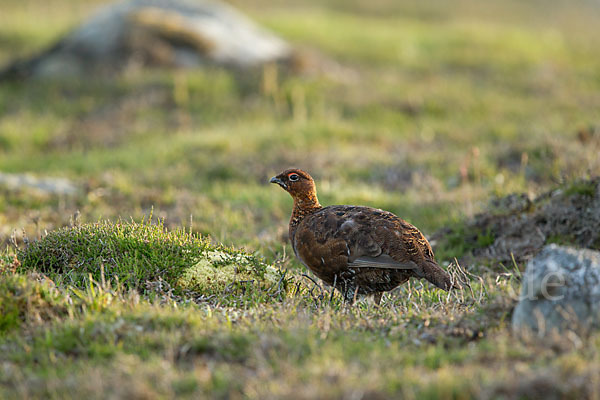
[359,250]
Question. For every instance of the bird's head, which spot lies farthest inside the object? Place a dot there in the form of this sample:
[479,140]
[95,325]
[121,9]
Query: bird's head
[299,184]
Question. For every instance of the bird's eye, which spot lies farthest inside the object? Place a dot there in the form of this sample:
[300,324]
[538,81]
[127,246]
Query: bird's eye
[294,177]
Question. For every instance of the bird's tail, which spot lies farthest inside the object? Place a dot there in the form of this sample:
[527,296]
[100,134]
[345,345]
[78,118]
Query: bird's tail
[431,271]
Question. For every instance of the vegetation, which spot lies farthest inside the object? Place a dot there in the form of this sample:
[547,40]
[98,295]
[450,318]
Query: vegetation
[426,110]
[137,255]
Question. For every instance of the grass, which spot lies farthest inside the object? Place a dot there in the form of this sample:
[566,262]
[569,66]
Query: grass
[115,342]
[426,110]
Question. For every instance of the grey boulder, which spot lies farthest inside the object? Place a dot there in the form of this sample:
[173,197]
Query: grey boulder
[169,33]
[560,292]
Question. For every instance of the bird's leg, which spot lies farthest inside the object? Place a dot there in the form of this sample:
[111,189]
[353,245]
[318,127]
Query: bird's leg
[345,289]
[348,292]
[377,297]
[348,299]
[333,289]
[355,296]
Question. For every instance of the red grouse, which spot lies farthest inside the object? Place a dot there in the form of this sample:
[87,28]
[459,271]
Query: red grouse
[358,250]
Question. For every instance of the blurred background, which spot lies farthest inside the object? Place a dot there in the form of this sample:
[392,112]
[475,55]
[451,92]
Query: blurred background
[426,109]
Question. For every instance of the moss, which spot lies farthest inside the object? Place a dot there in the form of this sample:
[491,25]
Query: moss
[221,271]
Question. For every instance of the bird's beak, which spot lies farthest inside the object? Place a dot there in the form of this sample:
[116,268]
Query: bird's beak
[278,181]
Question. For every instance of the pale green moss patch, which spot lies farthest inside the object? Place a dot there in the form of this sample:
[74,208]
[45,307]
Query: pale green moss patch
[222,272]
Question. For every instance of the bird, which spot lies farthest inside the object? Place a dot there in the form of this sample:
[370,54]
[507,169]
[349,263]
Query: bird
[358,250]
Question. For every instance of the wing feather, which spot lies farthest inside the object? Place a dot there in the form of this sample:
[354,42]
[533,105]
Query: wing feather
[384,261]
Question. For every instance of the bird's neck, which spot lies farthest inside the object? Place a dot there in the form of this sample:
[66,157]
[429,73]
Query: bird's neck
[303,206]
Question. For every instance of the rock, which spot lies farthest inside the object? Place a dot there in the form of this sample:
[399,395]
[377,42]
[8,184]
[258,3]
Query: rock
[172,33]
[560,292]
[58,186]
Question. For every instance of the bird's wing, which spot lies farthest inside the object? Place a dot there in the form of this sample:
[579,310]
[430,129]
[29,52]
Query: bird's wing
[383,261]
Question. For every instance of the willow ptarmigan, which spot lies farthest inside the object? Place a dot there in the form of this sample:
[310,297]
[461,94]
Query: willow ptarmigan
[358,250]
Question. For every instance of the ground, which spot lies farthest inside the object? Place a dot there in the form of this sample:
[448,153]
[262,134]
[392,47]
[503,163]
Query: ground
[429,111]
